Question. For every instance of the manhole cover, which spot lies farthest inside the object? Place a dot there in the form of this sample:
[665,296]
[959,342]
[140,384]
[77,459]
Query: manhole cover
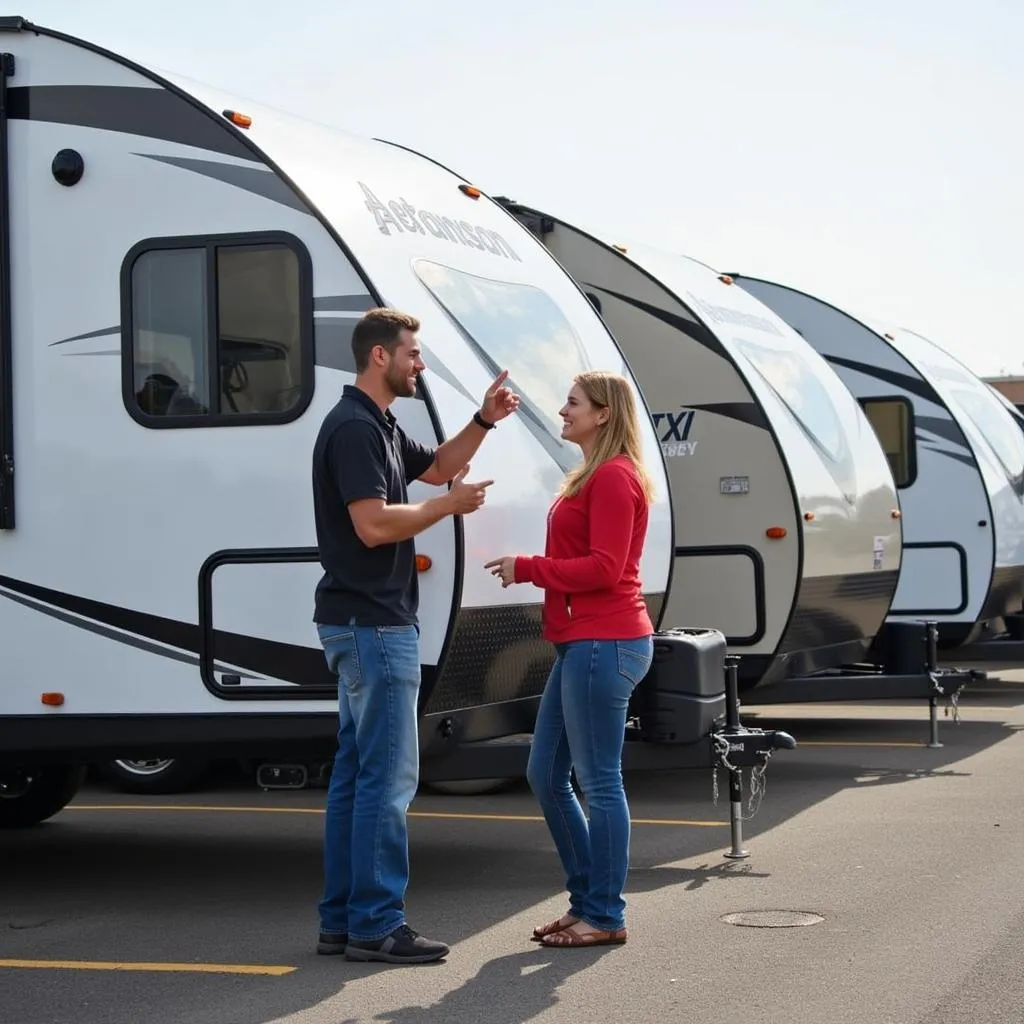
[773,919]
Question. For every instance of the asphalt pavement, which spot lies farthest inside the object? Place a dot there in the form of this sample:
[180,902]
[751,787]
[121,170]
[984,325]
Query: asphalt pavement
[909,862]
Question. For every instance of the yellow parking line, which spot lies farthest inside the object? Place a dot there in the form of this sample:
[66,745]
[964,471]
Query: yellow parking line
[195,807]
[537,817]
[103,965]
[856,743]
[318,810]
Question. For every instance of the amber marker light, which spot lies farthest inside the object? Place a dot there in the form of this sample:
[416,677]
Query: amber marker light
[775,532]
[52,700]
[423,563]
[242,120]
[725,278]
[471,190]
[808,516]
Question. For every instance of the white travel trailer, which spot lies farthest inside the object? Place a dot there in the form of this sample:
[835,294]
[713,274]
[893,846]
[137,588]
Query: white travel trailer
[957,454]
[787,527]
[178,283]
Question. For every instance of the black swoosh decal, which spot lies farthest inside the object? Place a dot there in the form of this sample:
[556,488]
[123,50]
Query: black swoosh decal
[153,113]
[967,460]
[947,429]
[112,634]
[261,181]
[304,666]
[332,343]
[343,303]
[101,333]
[743,412]
[915,385]
[691,328]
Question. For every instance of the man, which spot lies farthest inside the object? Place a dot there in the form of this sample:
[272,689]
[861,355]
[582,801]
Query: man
[366,615]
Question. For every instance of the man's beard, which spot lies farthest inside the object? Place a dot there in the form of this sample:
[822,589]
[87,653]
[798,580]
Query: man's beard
[398,385]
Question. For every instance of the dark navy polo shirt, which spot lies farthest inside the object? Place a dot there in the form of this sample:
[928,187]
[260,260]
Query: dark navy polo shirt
[362,452]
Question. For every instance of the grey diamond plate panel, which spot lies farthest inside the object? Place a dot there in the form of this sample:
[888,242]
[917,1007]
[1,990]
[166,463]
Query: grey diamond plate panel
[498,654]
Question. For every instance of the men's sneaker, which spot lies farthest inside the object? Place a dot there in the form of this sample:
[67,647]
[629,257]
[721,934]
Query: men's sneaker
[331,943]
[402,946]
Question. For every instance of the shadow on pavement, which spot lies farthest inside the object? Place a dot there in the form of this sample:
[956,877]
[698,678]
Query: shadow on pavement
[241,888]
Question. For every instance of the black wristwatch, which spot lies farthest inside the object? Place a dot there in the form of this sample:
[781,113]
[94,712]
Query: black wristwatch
[481,422]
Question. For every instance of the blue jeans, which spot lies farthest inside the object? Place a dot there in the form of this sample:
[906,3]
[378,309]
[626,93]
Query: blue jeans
[374,779]
[581,724]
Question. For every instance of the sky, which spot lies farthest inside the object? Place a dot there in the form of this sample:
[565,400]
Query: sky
[866,152]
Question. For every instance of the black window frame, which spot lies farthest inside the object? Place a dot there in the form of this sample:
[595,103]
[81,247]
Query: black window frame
[246,240]
[911,433]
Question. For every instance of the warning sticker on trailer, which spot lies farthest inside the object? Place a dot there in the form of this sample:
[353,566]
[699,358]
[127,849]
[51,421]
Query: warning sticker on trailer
[879,552]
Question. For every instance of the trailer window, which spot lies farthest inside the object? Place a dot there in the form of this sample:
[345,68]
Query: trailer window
[798,387]
[997,427]
[893,422]
[217,331]
[513,326]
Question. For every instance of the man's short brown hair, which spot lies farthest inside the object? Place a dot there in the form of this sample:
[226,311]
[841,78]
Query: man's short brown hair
[379,327]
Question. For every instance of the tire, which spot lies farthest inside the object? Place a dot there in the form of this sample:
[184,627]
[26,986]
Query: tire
[29,795]
[154,775]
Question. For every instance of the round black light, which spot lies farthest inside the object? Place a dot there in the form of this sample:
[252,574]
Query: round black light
[68,167]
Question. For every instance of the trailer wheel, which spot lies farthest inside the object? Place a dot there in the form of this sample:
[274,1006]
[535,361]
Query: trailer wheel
[29,795]
[153,775]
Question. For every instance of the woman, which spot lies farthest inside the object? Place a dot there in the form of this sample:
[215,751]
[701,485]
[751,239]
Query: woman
[595,615]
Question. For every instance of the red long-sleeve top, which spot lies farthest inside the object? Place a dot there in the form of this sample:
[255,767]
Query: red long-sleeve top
[590,570]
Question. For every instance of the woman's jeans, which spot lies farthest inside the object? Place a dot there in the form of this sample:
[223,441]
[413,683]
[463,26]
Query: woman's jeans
[581,725]
[376,771]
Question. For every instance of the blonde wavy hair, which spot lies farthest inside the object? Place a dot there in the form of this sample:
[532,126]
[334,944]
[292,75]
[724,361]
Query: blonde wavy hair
[620,435]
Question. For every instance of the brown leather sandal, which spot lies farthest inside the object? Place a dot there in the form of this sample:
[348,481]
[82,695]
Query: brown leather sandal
[590,937]
[558,925]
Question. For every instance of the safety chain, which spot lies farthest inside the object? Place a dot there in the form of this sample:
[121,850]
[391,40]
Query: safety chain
[954,699]
[758,778]
[721,755]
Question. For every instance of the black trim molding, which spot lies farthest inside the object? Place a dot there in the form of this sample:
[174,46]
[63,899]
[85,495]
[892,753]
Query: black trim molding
[7,518]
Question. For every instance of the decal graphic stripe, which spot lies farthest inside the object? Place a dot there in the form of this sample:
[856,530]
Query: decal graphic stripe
[304,666]
[967,460]
[101,333]
[332,343]
[691,328]
[915,385]
[743,412]
[947,429]
[261,181]
[342,303]
[153,113]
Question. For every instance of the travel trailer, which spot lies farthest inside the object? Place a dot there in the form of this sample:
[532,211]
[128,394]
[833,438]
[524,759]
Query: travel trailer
[787,523]
[957,453]
[788,530]
[179,279]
